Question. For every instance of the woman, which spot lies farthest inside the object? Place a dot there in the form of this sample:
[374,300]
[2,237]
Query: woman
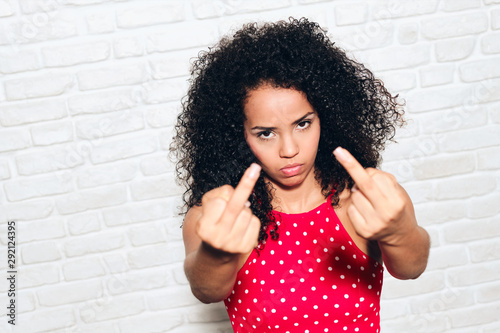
[284,225]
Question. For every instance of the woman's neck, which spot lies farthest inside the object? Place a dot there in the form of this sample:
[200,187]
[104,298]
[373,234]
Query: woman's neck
[298,199]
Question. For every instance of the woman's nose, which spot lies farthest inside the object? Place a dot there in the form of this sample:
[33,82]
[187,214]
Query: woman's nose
[289,147]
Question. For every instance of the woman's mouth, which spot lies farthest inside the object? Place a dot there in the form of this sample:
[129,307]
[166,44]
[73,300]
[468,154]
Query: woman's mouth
[291,170]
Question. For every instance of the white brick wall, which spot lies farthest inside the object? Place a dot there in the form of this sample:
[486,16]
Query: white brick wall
[89,92]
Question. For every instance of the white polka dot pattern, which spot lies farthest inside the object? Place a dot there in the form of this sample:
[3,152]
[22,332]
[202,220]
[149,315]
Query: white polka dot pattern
[314,279]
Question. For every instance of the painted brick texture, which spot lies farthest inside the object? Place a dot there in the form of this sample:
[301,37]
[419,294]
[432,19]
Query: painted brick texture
[89,93]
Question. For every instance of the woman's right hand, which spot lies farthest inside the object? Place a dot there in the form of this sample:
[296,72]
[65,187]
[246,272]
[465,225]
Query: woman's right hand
[227,223]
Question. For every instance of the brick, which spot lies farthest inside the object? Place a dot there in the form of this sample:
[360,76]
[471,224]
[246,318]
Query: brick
[455,25]
[39,275]
[146,234]
[52,133]
[17,61]
[155,255]
[454,49]
[101,102]
[83,223]
[444,165]
[152,188]
[392,9]
[220,327]
[439,212]
[495,19]
[426,283]
[41,230]
[29,210]
[40,86]
[488,158]
[33,6]
[491,328]
[137,281]
[116,263]
[139,212]
[454,5]
[351,14]
[411,150]
[40,252]
[93,244]
[399,80]
[169,66]
[49,160]
[92,199]
[174,225]
[464,187]
[419,192]
[109,151]
[82,269]
[470,230]
[209,313]
[5,170]
[485,206]
[6,8]
[26,303]
[485,250]
[436,75]
[33,187]
[204,9]
[14,139]
[98,127]
[106,174]
[111,77]
[473,274]
[69,55]
[128,47]
[114,307]
[100,22]
[390,309]
[70,293]
[490,44]
[179,275]
[453,119]
[150,15]
[164,91]
[151,322]
[480,70]
[51,26]
[474,316]
[398,57]
[166,138]
[47,320]
[470,139]
[447,299]
[415,323]
[32,112]
[408,33]
[156,165]
[486,91]
[488,292]
[169,298]
[447,256]
[195,35]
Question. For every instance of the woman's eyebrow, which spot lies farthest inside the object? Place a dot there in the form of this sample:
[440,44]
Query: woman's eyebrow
[271,128]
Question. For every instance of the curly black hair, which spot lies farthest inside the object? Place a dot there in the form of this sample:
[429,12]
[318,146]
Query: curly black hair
[355,109]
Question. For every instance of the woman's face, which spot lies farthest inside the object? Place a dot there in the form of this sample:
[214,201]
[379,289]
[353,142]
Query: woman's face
[282,129]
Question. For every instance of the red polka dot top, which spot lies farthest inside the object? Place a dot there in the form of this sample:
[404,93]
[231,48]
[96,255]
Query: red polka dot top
[313,279]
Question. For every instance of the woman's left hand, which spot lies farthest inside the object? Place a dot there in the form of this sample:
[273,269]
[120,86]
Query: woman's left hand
[380,208]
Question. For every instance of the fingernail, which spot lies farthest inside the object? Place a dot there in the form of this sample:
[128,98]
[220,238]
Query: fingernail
[254,171]
[354,188]
[247,204]
[340,154]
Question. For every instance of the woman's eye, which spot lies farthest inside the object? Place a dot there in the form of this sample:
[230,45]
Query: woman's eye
[304,124]
[265,135]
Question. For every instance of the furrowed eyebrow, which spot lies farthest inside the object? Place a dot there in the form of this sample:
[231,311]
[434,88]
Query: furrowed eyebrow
[298,121]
